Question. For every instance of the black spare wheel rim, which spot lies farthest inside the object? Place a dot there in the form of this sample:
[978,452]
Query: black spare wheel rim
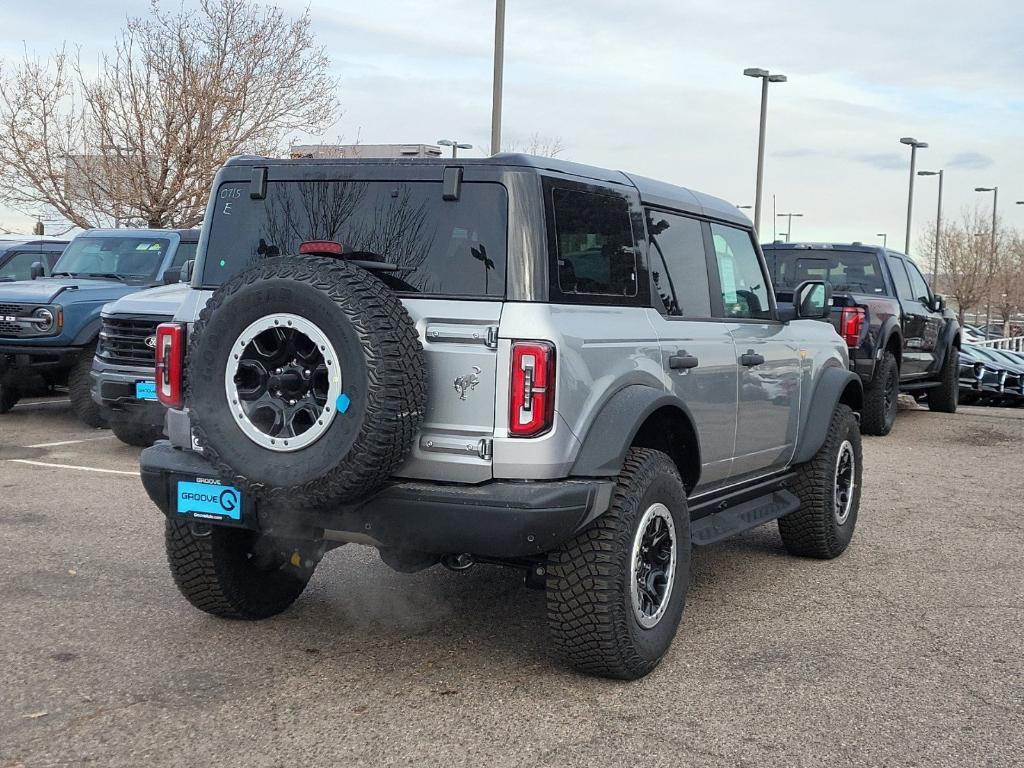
[284,383]
[306,380]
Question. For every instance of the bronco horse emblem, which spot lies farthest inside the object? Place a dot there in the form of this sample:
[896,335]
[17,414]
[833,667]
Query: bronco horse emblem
[467,383]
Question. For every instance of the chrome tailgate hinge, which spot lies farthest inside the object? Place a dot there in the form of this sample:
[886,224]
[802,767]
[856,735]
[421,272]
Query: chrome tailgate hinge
[485,448]
[492,336]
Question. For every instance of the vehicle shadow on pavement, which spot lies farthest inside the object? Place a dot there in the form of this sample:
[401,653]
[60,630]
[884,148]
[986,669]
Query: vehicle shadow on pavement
[480,621]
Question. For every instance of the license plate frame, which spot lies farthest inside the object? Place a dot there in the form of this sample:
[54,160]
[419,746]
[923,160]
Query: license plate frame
[208,500]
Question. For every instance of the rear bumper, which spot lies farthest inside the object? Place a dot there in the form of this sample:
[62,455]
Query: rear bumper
[113,389]
[499,519]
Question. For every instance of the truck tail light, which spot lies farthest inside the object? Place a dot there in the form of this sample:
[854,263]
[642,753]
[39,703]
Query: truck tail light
[532,401]
[851,325]
[170,364]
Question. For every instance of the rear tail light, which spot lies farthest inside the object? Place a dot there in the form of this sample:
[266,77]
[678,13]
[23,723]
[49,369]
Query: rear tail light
[532,408]
[170,363]
[851,325]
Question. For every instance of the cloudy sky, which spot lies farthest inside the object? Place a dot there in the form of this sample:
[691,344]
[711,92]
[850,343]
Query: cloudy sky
[657,88]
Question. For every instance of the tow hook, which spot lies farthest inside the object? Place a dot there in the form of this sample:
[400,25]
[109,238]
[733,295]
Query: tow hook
[461,562]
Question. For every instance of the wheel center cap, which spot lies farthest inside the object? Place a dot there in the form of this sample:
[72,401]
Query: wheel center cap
[289,382]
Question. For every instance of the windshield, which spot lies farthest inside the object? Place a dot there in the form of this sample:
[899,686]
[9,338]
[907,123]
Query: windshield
[435,246]
[850,271]
[125,257]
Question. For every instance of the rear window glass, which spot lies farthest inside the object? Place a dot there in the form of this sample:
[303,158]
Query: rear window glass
[851,271]
[439,247]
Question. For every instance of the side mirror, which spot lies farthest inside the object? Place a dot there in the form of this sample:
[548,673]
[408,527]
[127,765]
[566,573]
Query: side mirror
[186,271]
[171,276]
[813,300]
[938,303]
[36,270]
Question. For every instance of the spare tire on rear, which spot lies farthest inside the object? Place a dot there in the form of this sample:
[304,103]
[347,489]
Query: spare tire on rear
[306,381]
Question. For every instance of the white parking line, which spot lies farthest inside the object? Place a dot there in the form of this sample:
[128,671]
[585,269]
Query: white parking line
[70,442]
[73,466]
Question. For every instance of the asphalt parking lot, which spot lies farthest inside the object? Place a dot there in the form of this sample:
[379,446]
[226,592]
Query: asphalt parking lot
[908,650]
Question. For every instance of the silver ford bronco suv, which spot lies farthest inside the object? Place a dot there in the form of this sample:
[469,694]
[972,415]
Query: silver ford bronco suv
[577,372]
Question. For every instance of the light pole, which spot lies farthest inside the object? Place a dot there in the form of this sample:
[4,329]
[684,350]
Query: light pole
[783,234]
[789,223]
[914,145]
[938,225]
[499,73]
[456,146]
[885,238]
[766,77]
[992,251]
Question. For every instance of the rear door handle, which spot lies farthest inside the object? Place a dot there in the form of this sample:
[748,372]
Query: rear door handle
[681,361]
[751,358]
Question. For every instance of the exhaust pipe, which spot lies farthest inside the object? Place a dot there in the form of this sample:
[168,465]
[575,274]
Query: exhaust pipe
[461,562]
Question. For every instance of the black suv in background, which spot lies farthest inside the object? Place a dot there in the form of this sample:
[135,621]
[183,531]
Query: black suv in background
[901,336]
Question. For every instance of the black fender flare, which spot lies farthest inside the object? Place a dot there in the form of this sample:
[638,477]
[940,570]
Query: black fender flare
[949,337]
[616,424]
[891,327]
[829,390]
[88,333]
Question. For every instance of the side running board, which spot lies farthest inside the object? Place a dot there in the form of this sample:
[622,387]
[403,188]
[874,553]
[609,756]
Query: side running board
[748,514]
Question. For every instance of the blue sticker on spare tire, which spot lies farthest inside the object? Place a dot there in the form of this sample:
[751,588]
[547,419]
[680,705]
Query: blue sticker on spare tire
[342,403]
[209,500]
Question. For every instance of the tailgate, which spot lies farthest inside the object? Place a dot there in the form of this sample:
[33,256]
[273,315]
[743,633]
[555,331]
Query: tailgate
[460,341]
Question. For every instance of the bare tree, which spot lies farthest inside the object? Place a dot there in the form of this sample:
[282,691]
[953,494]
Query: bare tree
[964,259]
[536,144]
[1008,277]
[181,91]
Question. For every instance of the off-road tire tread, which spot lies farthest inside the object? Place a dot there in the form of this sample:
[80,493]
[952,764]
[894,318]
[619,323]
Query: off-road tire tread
[874,416]
[80,391]
[945,397]
[586,619]
[396,369]
[206,572]
[807,532]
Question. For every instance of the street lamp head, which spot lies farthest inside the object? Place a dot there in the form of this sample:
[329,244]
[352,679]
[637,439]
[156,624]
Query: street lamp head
[755,72]
[909,141]
[882,234]
[984,189]
[744,207]
[927,173]
[777,78]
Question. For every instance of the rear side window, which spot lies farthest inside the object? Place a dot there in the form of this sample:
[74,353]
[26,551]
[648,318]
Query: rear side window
[744,287]
[595,250]
[437,247]
[679,267]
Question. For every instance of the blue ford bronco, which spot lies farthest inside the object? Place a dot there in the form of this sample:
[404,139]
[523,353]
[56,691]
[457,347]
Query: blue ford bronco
[49,326]
[577,372]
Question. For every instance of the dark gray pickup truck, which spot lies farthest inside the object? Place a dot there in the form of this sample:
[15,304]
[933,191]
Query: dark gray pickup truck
[901,336]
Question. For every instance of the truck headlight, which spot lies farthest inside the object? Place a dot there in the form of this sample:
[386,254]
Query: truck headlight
[44,320]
